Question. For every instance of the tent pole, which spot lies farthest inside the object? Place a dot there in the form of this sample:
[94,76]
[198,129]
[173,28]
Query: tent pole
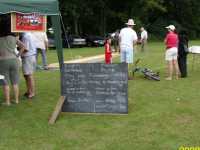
[58,39]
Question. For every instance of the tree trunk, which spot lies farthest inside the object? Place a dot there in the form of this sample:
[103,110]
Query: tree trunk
[76,25]
[103,22]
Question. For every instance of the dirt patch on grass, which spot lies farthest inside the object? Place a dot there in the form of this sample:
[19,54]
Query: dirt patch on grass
[184,119]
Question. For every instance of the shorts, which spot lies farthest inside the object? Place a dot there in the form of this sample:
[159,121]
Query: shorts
[171,54]
[9,68]
[127,55]
[29,65]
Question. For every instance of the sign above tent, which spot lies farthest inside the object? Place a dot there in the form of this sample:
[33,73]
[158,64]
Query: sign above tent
[33,22]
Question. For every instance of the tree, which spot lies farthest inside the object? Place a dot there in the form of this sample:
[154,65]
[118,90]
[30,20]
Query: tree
[104,16]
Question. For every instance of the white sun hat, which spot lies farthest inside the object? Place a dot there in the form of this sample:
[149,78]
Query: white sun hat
[130,22]
[171,27]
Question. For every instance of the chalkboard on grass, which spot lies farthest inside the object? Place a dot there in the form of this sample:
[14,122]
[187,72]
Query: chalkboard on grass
[95,88]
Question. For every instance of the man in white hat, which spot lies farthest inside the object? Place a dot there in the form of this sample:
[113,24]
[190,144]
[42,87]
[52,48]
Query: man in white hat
[127,38]
[171,54]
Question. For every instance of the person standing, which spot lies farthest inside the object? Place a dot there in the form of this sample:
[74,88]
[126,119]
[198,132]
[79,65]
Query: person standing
[9,65]
[108,51]
[115,39]
[127,39]
[29,63]
[41,44]
[143,39]
[182,53]
[171,54]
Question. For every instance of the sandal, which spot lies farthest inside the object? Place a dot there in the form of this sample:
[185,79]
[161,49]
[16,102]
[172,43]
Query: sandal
[130,78]
[168,78]
[26,94]
[30,96]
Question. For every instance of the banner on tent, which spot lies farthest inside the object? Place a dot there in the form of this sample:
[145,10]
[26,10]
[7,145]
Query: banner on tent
[28,22]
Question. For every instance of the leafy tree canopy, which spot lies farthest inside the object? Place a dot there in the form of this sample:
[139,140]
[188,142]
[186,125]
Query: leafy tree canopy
[100,17]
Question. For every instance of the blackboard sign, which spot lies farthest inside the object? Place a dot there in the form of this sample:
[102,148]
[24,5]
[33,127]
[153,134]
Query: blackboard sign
[95,88]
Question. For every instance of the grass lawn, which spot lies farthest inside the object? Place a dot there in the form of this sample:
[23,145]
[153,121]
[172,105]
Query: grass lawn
[162,115]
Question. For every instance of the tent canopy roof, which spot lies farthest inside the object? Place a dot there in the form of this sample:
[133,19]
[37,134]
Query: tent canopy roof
[44,7]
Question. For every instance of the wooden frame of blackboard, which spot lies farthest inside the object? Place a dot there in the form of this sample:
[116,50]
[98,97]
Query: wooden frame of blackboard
[57,110]
[61,102]
[94,114]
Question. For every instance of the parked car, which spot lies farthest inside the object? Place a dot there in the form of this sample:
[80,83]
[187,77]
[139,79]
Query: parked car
[95,41]
[51,42]
[68,41]
[50,36]
[75,41]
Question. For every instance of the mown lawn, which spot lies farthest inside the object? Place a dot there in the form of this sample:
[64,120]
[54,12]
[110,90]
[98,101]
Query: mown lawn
[162,115]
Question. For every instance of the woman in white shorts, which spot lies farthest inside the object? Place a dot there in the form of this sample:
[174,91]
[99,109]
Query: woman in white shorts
[171,54]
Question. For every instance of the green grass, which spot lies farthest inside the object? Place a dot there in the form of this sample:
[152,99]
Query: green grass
[162,115]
